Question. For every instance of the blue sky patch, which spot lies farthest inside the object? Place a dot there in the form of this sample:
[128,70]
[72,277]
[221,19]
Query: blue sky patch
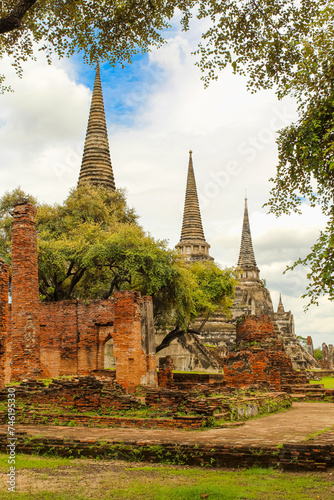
[125,90]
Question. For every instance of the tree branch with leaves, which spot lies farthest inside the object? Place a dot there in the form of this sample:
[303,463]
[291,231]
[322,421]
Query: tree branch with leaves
[92,245]
[108,30]
[287,45]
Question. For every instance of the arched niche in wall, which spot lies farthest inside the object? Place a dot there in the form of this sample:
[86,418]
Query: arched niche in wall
[109,359]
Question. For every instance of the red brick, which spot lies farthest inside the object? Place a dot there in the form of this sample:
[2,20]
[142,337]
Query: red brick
[259,357]
[4,332]
[25,295]
[165,375]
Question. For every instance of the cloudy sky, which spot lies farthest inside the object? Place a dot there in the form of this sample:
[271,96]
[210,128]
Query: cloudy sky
[157,109]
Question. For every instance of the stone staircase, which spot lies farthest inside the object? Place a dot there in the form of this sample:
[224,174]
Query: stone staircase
[310,392]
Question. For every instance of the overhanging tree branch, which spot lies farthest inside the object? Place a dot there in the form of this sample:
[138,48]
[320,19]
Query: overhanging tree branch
[172,335]
[14,19]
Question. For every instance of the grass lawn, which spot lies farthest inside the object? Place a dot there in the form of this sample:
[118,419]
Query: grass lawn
[60,479]
[327,381]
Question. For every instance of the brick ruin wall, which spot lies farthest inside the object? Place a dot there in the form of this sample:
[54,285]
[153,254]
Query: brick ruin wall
[108,404]
[327,361]
[74,334]
[68,338]
[259,356]
[4,318]
[25,294]
[165,375]
[311,455]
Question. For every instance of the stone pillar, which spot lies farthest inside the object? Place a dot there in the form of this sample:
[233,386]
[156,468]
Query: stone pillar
[165,375]
[148,340]
[330,356]
[310,345]
[25,294]
[325,360]
[129,345]
[4,289]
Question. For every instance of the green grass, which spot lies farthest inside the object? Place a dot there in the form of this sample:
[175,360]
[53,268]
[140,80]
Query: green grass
[33,462]
[64,479]
[198,373]
[318,433]
[327,381]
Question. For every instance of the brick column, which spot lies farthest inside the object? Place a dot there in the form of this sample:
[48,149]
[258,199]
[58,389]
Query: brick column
[129,347]
[25,294]
[4,288]
[310,345]
[148,340]
[165,375]
[325,356]
[331,356]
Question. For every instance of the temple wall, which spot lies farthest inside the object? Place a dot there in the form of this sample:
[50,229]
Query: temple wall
[42,340]
[4,317]
[73,335]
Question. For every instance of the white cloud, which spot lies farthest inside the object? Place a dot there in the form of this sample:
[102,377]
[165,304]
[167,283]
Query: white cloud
[42,127]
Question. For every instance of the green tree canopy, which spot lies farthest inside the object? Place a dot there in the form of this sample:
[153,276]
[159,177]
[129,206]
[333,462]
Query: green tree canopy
[287,45]
[318,353]
[91,245]
[111,30]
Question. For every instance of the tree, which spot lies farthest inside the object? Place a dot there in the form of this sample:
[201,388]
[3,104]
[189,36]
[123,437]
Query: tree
[111,30]
[318,353]
[305,174]
[203,289]
[92,245]
[287,45]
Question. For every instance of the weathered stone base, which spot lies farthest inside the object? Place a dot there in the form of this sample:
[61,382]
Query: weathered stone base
[67,403]
[291,456]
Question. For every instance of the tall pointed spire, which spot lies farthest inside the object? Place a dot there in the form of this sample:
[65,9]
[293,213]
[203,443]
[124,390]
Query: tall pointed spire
[192,243]
[280,308]
[96,164]
[247,260]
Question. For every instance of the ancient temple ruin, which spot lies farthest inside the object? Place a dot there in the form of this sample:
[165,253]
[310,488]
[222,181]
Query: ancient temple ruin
[96,165]
[259,356]
[251,295]
[72,337]
[192,244]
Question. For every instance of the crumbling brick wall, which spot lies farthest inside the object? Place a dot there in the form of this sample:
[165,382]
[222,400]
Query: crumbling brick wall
[4,289]
[74,333]
[134,346]
[165,375]
[68,337]
[327,361]
[81,393]
[25,294]
[259,356]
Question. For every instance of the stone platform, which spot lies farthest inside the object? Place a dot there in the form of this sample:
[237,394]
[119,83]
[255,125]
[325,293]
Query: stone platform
[287,439]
